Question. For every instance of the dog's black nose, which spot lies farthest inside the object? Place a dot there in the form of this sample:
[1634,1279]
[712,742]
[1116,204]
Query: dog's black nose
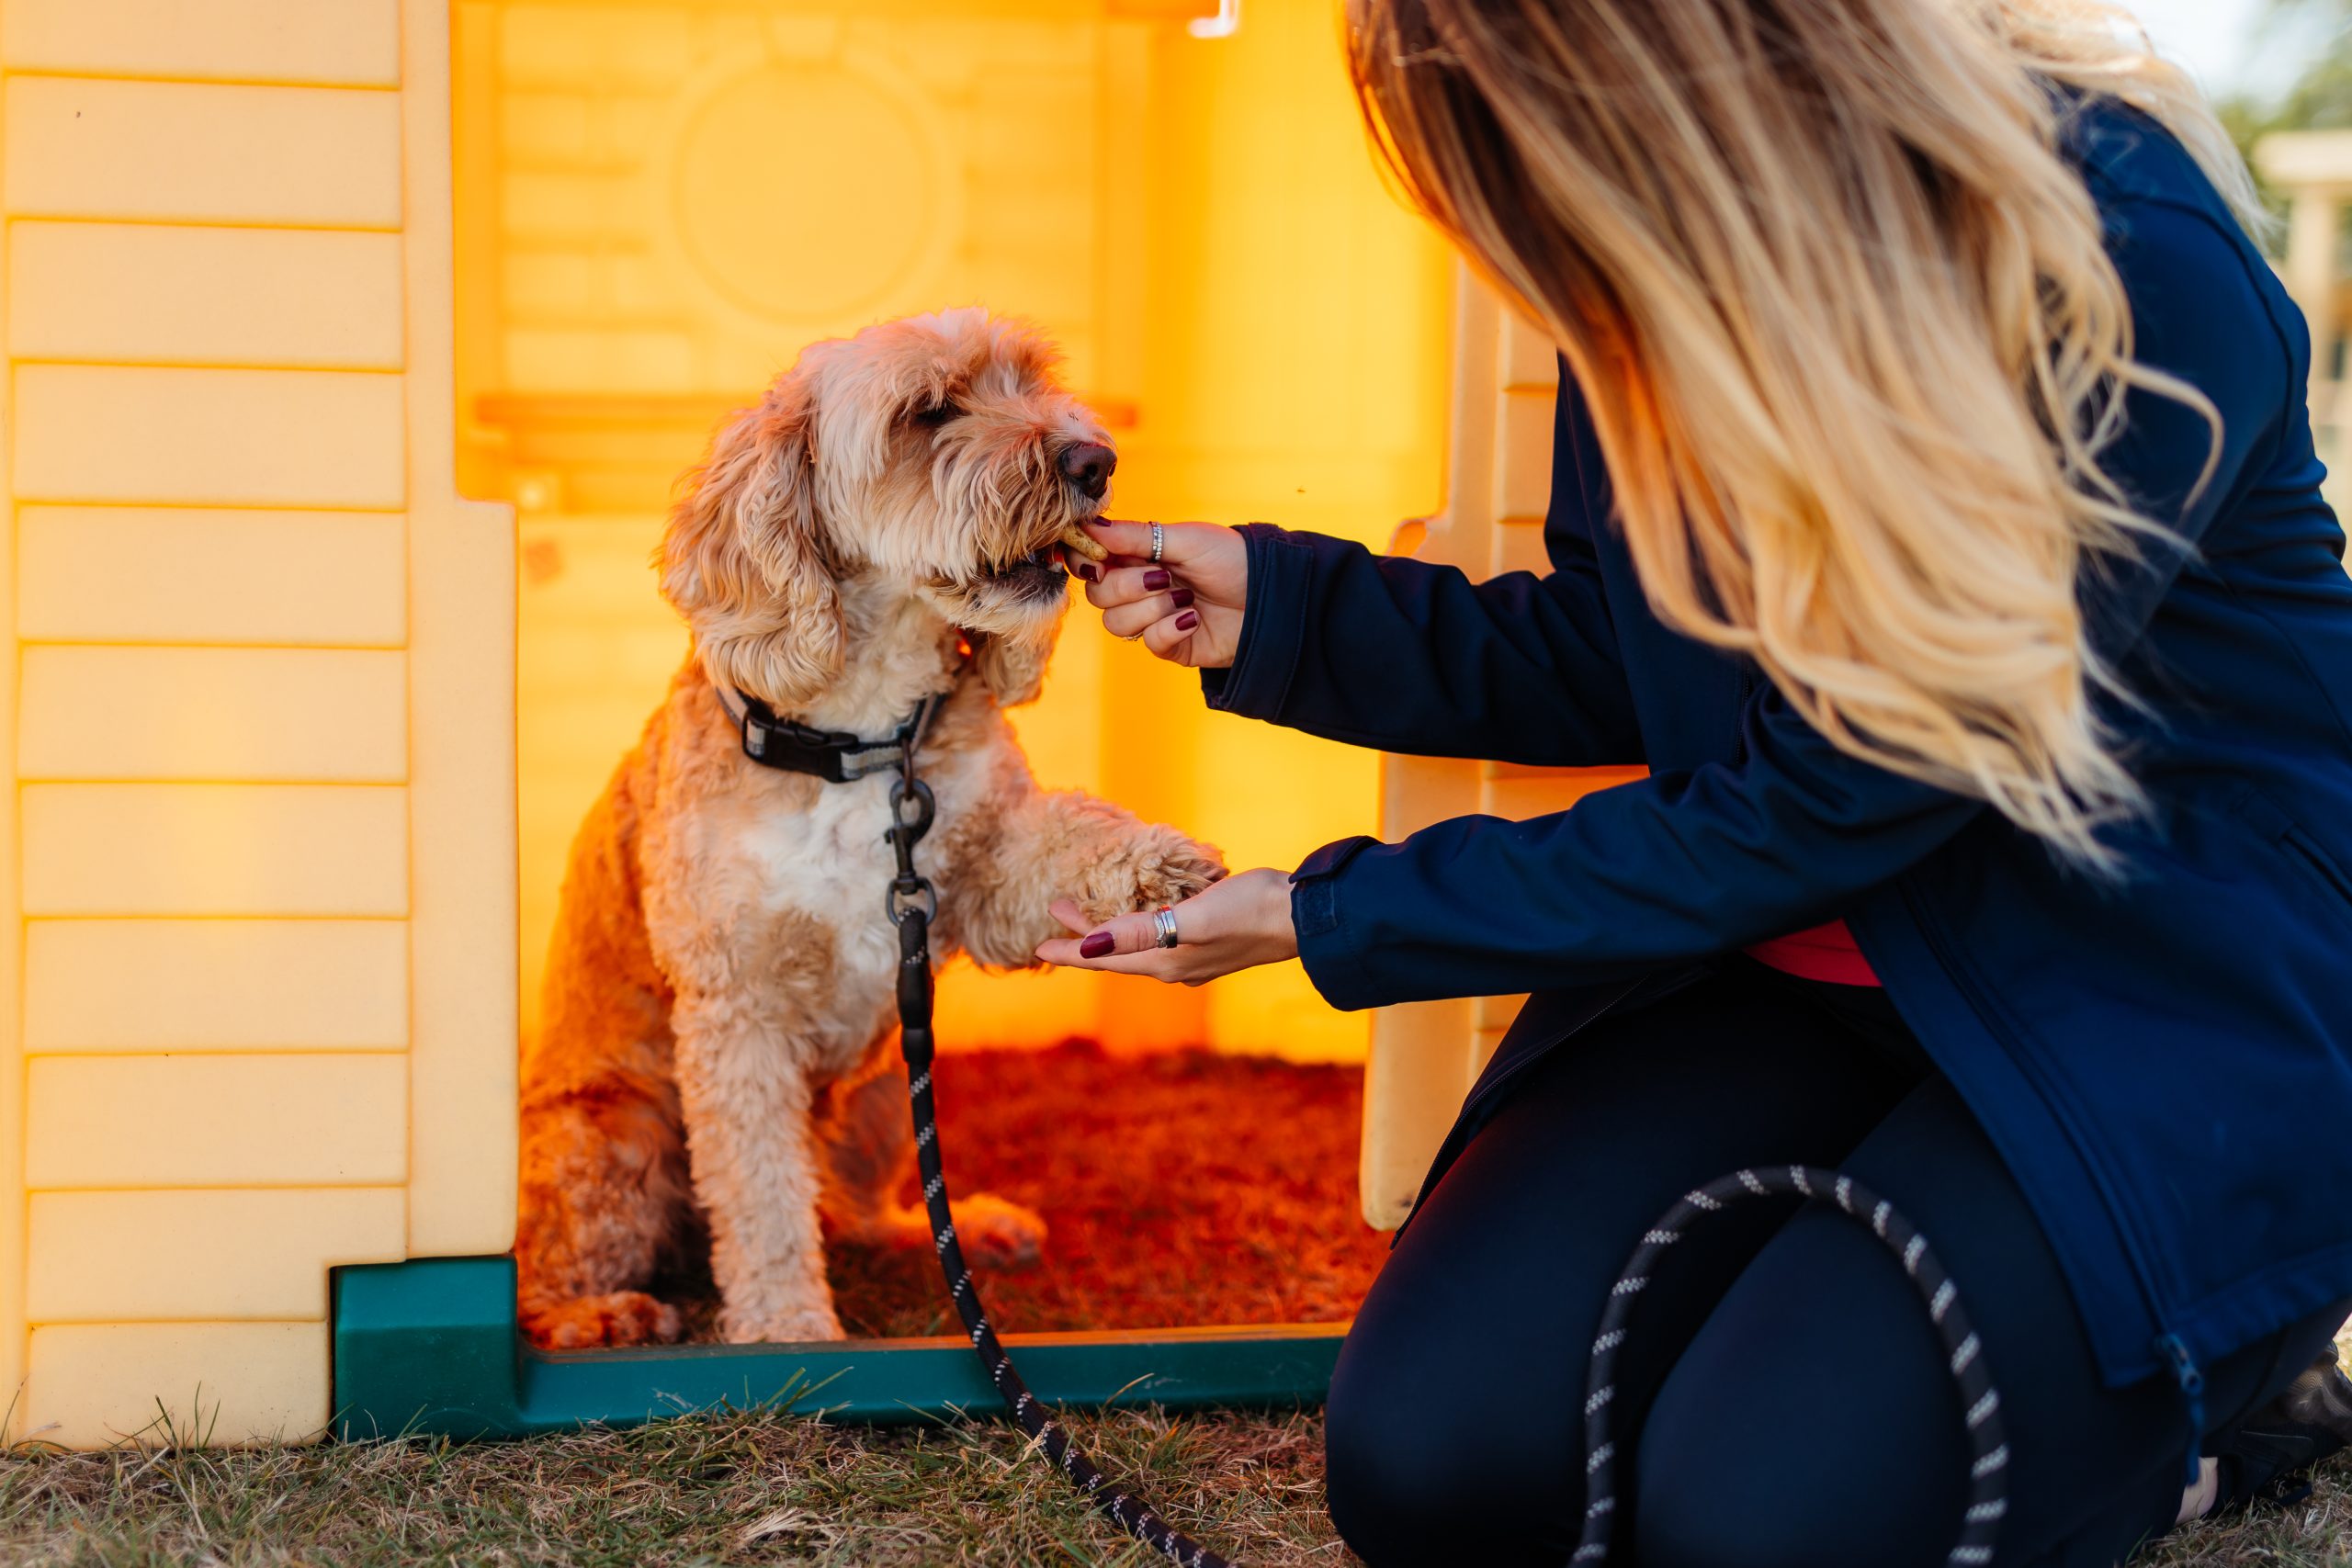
[1087,466]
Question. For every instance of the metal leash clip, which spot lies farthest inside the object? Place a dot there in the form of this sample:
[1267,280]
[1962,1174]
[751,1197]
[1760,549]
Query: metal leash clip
[911,889]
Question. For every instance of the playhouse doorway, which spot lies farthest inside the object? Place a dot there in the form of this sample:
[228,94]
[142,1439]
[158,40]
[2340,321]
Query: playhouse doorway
[658,204]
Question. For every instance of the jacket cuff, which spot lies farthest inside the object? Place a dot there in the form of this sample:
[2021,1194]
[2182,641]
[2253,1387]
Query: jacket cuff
[1334,961]
[1273,627]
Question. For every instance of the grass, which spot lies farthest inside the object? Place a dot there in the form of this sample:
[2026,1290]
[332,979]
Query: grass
[749,1488]
[757,1487]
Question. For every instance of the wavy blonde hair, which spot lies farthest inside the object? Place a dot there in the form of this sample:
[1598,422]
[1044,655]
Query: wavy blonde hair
[1850,336]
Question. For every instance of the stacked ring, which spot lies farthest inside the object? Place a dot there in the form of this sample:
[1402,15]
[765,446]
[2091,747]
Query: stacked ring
[1163,927]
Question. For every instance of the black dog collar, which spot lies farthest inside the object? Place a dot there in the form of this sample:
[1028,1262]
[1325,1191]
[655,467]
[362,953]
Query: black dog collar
[828,754]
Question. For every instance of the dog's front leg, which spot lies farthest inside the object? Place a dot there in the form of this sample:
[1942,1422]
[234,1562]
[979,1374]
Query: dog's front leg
[1068,845]
[745,1090]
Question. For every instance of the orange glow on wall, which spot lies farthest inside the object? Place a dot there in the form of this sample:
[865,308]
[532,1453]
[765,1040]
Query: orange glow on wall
[659,205]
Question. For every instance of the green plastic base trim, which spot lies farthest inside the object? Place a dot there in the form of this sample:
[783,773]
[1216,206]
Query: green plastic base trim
[430,1346]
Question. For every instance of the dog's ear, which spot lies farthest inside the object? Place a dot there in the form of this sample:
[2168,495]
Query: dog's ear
[1013,668]
[745,559]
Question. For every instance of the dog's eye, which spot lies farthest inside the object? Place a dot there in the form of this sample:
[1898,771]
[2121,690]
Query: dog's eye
[937,414]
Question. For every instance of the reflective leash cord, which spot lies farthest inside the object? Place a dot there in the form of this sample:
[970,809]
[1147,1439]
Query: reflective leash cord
[913,903]
[1988,1470]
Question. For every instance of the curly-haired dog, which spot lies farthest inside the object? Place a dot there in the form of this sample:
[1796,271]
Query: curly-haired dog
[715,1050]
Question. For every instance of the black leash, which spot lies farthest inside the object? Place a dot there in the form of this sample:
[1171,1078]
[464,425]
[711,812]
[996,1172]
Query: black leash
[1988,1470]
[913,903]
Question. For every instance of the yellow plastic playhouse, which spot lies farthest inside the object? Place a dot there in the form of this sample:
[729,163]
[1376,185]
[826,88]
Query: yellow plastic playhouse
[352,346]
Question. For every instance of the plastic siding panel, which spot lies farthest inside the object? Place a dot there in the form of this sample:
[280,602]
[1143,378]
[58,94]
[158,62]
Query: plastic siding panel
[1413,1080]
[12,1075]
[183,378]
[206,575]
[1522,793]
[175,294]
[156,849]
[462,1060]
[1530,362]
[215,437]
[198,1253]
[1419,1069]
[150,986]
[328,41]
[1494,1014]
[1519,547]
[1524,462]
[179,152]
[132,1121]
[91,1384]
[337,714]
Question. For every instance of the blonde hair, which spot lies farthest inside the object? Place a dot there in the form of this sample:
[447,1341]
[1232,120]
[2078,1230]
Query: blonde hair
[1850,334]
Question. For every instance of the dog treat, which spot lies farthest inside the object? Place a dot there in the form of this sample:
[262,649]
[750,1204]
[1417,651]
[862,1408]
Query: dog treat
[1077,538]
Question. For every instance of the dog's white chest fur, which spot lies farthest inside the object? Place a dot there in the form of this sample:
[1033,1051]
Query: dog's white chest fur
[829,860]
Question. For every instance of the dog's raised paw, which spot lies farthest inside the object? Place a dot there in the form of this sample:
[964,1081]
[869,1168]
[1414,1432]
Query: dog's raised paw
[997,1232]
[1177,876]
[622,1318]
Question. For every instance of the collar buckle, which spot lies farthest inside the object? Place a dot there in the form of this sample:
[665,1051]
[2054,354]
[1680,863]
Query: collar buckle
[831,755]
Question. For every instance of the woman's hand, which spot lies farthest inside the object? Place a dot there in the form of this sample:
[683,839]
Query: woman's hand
[1237,923]
[1187,609]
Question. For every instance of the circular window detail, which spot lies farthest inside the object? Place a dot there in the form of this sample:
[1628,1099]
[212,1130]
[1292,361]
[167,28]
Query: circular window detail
[804,193]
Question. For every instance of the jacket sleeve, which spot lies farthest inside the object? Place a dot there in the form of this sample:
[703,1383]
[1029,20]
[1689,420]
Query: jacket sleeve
[1411,657]
[1692,863]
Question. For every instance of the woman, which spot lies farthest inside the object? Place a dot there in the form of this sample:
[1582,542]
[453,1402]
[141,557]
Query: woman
[1935,515]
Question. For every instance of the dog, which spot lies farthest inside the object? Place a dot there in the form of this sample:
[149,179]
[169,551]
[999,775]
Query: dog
[716,1056]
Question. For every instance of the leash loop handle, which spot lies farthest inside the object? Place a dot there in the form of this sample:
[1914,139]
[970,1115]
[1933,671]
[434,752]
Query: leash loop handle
[1988,1470]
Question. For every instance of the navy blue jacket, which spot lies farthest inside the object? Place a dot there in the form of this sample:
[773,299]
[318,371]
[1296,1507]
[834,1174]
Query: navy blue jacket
[2165,1062]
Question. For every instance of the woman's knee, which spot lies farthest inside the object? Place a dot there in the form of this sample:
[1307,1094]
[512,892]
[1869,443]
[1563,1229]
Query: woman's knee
[1420,1474]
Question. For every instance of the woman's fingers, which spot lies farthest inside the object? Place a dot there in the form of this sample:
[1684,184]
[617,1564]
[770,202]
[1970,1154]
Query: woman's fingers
[1128,584]
[1072,917]
[1126,943]
[1166,638]
[1122,935]
[1232,924]
[1179,543]
[1128,620]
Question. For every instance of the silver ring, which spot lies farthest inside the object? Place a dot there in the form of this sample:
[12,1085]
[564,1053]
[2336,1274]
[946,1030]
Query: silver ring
[1158,540]
[1163,927]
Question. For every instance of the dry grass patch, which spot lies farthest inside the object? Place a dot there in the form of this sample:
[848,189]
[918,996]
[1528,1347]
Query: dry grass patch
[740,1488]
[761,1488]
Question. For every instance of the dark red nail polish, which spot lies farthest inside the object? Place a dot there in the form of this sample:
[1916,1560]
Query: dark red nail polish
[1087,571]
[1183,597]
[1187,621]
[1154,581]
[1100,946]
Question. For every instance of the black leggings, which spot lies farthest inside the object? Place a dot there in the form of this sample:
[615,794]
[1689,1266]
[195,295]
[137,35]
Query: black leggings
[1782,1393]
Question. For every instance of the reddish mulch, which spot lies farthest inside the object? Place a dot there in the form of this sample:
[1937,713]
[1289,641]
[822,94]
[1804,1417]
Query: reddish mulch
[1181,1188]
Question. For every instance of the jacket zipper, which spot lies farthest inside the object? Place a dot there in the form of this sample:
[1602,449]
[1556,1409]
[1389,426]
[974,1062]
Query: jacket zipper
[2172,1351]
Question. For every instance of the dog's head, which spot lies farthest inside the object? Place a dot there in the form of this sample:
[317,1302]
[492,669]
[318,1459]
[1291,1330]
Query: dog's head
[936,457]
